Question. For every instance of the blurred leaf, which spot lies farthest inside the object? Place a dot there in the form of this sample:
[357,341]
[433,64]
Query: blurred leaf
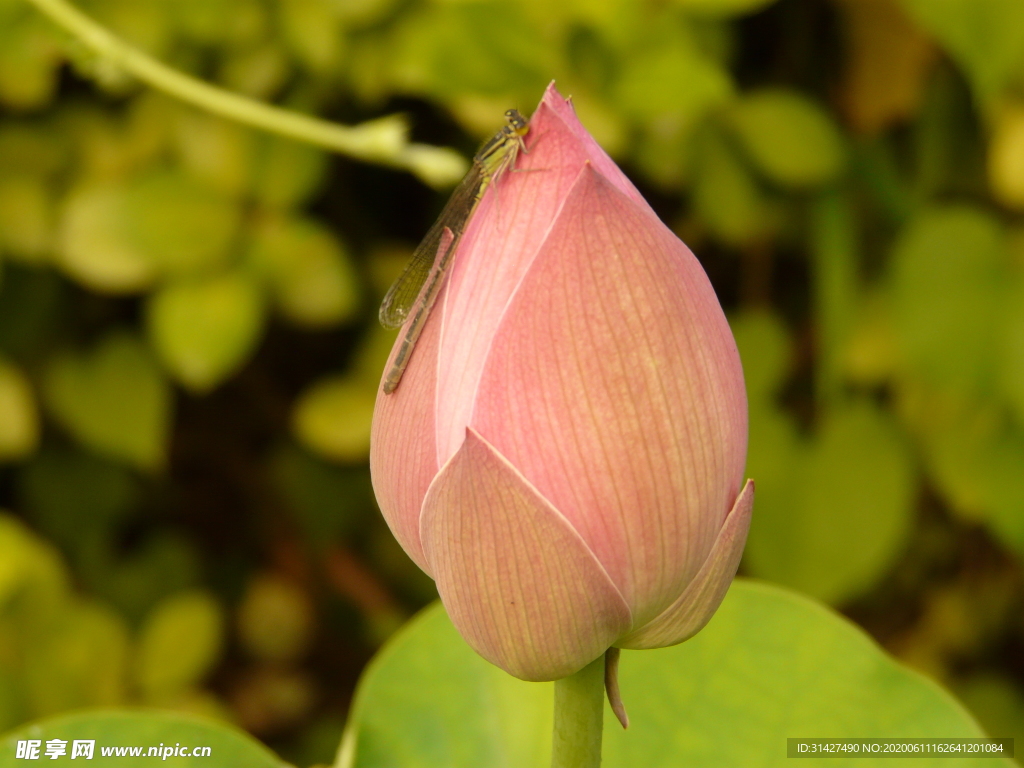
[204,331]
[1012,357]
[287,173]
[313,31]
[773,663]
[33,581]
[832,511]
[329,501]
[144,25]
[73,496]
[956,435]
[182,225]
[95,248]
[219,21]
[318,742]
[160,566]
[846,510]
[766,350]
[946,276]
[228,746]
[666,81]
[1006,158]
[275,620]
[664,155]
[19,421]
[111,148]
[215,150]
[973,457]
[483,49]
[724,7]
[13,706]
[30,148]
[986,37]
[878,167]
[26,216]
[789,138]
[872,355]
[834,241]
[948,141]
[272,699]
[80,662]
[590,57]
[888,58]
[258,73]
[332,418]
[997,703]
[369,71]
[727,197]
[179,642]
[196,702]
[770,664]
[609,17]
[393,722]
[31,302]
[310,274]
[364,12]
[1004,489]
[29,58]
[113,399]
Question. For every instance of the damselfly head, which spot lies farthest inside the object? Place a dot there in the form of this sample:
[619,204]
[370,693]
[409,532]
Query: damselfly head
[517,124]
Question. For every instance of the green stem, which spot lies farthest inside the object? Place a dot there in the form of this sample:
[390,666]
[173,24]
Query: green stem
[579,714]
[382,141]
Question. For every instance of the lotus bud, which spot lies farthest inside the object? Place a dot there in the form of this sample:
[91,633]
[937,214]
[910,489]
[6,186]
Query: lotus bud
[565,453]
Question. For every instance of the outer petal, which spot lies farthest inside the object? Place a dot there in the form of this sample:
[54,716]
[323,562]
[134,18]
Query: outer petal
[498,248]
[695,607]
[614,386]
[518,582]
[403,443]
[603,164]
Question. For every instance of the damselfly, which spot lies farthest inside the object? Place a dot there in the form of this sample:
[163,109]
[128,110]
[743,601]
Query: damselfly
[417,288]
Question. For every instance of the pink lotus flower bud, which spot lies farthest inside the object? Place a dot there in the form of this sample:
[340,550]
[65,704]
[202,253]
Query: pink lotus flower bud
[565,453]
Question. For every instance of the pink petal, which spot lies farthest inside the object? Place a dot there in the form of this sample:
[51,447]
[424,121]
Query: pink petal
[597,156]
[614,386]
[516,579]
[498,248]
[403,446]
[695,607]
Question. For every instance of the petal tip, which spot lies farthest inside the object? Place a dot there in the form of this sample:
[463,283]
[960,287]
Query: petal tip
[694,608]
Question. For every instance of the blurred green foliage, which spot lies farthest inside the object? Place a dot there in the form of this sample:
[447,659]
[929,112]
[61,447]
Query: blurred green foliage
[189,358]
[429,700]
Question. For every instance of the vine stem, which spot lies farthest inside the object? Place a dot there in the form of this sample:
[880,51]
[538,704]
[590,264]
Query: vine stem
[381,141]
[579,718]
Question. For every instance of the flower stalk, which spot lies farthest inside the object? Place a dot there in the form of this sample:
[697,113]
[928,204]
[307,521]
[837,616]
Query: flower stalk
[579,718]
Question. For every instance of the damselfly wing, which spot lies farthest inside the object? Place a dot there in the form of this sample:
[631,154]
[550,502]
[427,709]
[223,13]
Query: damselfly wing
[416,289]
